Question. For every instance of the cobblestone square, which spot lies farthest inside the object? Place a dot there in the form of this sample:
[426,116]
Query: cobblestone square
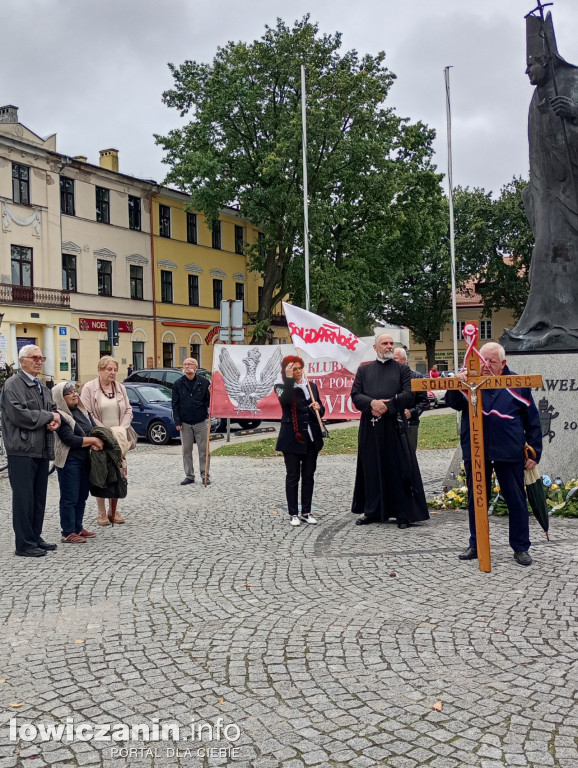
[328,645]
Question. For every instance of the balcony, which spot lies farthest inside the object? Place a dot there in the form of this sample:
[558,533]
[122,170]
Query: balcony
[277,319]
[39,297]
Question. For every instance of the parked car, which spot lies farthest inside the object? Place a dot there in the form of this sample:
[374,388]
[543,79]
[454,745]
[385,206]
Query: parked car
[431,400]
[167,377]
[153,412]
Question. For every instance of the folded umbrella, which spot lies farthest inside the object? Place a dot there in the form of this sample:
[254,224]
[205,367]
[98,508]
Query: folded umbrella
[535,492]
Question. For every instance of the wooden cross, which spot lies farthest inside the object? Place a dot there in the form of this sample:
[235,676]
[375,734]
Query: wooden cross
[474,383]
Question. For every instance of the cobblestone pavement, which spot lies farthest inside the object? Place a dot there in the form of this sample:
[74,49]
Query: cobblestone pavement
[327,645]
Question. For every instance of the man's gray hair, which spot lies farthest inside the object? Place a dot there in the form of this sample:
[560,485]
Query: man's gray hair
[26,349]
[493,345]
[401,352]
[383,333]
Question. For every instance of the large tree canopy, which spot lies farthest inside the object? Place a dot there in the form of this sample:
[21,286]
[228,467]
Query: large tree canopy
[367,167]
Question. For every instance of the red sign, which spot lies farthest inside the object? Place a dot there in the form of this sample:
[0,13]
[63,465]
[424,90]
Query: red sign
[95,324]
[212,334]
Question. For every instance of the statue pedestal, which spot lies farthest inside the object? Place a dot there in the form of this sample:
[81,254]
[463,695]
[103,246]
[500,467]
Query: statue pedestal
[557,403]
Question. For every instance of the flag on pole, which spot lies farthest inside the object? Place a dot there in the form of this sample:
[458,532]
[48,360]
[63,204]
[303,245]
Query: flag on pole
[322,338]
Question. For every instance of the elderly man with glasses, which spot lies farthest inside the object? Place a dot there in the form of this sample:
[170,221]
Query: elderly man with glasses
[29,418]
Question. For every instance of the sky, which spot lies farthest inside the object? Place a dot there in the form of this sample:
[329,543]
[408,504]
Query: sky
[94,73]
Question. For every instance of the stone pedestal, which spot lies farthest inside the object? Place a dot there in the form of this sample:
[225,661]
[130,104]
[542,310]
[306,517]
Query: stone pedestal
[557,403]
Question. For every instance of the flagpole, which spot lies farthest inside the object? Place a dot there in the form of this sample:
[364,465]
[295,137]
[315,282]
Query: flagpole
[452,235]
[305,190]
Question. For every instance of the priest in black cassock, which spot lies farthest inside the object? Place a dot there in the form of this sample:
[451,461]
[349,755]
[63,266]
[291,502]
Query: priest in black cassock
[388,481]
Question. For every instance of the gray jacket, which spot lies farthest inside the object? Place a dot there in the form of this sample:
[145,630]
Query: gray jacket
[25,414]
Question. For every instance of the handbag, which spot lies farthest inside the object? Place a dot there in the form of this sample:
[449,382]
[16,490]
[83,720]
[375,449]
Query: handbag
[132,438]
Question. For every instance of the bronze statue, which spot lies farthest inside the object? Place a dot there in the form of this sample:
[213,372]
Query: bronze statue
[550,318]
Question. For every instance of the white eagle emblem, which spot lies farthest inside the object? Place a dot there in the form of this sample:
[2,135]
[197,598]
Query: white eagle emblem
[247,391]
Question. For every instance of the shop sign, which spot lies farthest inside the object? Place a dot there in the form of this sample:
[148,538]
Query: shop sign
[96,324]
[211,336]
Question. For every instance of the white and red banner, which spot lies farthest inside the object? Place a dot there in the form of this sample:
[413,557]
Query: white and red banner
[321,338]
[244,379]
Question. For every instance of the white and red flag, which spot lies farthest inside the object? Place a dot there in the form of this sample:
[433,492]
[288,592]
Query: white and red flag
[321,338]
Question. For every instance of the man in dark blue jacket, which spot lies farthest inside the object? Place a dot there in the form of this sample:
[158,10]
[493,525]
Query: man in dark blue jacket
[191,398]
[511,420]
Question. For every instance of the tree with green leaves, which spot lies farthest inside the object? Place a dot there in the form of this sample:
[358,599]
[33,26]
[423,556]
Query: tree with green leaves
[418,291]
[243,146]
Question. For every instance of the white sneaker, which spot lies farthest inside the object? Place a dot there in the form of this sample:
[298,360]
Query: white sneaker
[294,520]
[309,519]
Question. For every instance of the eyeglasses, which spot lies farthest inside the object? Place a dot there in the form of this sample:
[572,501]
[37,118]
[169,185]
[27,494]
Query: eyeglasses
[38,358]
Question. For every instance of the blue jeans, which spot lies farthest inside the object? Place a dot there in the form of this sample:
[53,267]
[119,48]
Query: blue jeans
[74,487]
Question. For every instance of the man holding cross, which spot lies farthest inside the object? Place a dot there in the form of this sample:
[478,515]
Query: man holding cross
[511,420]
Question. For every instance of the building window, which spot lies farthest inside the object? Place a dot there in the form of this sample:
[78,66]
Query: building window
[138,359]
[21,184]
[103,205]
[239,240]
[164,221]
[261,244]
[191,228]
[68,272]
[104,269]
[440,336]
[134,212]
[461,326]
[240,293]
[21,265]
[216,235]
[168,360]
[259,296]
[194,291]
[166,286]
[485,329]
[217,293]
[67,196]
[196,352]
[136,280]
[104,348]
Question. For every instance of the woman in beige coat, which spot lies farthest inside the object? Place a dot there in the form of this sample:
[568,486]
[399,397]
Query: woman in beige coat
[107,402]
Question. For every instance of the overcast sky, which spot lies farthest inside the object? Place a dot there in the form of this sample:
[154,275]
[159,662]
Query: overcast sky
[93,73]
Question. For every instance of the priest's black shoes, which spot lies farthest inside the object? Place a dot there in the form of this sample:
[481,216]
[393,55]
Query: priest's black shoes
[523,558]
[31,552]
[46,546]
[364,521]
[402,525]
[469,554]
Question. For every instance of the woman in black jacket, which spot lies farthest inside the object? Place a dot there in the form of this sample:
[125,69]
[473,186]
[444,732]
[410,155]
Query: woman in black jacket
[72,461]
[300,437]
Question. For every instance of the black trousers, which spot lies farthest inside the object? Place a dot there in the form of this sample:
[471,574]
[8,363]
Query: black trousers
[29,481]
[300,465]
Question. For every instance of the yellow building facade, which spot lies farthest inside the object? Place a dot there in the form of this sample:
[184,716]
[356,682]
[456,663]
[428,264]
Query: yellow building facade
[196,267]
[34,308]
[83,245]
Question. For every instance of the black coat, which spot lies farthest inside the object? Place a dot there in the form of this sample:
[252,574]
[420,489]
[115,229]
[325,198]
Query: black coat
[287,441]
[191,400]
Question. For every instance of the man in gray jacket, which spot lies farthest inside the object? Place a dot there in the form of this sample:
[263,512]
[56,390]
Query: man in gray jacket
[29,418]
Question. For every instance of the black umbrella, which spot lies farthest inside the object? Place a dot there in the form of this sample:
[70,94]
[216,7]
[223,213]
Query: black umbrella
[535,492]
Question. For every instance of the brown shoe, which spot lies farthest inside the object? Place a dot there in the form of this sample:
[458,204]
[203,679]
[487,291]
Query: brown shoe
[118,518]
[73,538]
[87,534]
[103,520]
